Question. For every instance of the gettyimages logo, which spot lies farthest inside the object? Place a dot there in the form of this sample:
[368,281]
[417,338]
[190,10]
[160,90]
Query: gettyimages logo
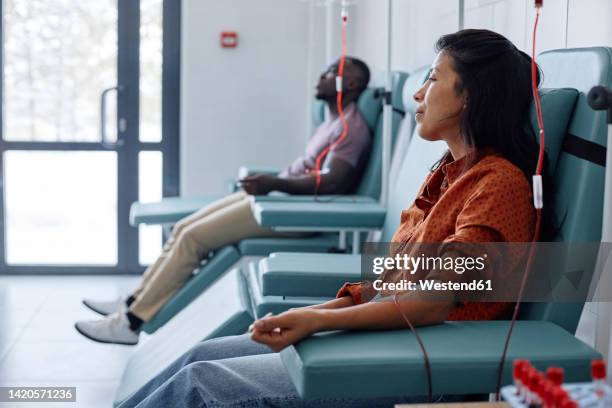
[413,264]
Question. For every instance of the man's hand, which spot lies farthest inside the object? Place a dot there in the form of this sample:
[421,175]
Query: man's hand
[278,332]
[259,184]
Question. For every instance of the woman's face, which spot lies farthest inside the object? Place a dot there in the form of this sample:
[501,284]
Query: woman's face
[440,108]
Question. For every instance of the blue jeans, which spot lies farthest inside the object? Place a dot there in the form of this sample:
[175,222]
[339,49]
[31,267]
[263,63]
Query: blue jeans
[234,372]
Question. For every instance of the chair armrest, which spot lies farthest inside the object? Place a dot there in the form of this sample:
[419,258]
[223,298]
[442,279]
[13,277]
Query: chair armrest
[464,359]
[167,211]
[245,171]
[317,216]
[261,305]
[282,197]
[312,275]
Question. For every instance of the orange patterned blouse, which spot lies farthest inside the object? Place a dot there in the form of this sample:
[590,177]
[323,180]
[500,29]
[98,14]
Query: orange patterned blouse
[487,202]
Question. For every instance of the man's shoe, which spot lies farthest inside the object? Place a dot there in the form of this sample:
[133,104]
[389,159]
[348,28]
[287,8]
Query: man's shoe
[111,329]
[106,308]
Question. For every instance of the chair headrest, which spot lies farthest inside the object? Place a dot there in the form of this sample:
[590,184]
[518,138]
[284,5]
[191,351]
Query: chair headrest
[581,69]
[371,180]
[557,107]
[412,84]
[398,83]
[318,112]
[370,105]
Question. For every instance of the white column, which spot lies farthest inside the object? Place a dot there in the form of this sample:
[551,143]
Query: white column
[330,23]
[604,309]
[311,69]
[387,115]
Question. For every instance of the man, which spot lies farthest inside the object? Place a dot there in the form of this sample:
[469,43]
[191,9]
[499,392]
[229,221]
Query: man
[230,219]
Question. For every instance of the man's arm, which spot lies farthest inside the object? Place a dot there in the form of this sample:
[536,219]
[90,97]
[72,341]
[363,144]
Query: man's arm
[336,179]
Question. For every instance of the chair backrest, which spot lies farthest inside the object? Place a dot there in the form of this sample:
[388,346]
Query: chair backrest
[370,184]
[417,157]
[578,173]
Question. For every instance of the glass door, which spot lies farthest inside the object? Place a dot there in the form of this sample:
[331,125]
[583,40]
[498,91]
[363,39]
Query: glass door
[89,120]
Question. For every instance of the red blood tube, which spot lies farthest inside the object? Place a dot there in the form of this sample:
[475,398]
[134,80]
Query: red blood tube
[518,375]
[555,374]
[598,373]
[559,396]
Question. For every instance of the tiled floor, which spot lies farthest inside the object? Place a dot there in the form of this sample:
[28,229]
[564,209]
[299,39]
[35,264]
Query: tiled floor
[38,343]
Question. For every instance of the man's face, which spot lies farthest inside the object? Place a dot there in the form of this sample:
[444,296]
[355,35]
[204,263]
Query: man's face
[326,88]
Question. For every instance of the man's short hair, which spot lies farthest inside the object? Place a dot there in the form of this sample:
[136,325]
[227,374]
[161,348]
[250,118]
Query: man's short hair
[364,73]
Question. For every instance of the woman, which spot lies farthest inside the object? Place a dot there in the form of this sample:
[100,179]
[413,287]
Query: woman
[477,99]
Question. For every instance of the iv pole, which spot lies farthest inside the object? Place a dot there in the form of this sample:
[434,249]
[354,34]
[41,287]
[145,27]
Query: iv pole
[387,115]
[461,14]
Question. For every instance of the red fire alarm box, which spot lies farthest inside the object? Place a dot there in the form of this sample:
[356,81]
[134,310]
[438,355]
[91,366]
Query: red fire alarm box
[229,39]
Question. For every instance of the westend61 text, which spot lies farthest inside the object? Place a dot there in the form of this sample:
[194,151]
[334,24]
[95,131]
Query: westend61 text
[433,285]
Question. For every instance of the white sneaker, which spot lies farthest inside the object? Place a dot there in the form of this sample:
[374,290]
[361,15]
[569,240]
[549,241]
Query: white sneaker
[111,329]
[106,308]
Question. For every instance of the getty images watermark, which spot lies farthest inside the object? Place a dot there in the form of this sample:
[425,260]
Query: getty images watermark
[560,272]
[411,265]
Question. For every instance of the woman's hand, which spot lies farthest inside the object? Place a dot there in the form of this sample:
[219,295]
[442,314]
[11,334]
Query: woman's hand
[278,332]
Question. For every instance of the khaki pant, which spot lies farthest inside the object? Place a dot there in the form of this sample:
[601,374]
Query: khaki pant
[223,222]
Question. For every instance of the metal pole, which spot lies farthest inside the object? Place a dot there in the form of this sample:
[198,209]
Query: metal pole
[342,240]
[310,71]
[356,242]
[387,115]
[330,23]
[461,14]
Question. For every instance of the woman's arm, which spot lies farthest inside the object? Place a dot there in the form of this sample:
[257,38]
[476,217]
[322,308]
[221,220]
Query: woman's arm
[338,303]
[384,314]
[290,327]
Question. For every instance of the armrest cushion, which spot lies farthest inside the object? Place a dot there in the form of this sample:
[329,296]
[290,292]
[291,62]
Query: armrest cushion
[282,197]
[261,305]
[464,358]
[319,215]
[167,211]
[302,274]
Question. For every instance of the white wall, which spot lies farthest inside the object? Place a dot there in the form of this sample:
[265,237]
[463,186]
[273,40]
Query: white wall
[242,106]
[417,24]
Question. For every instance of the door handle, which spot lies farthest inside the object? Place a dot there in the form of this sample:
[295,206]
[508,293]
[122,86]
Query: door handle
[103,137]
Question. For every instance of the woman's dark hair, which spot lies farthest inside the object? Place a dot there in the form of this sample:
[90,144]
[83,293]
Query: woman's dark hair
[495,77]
